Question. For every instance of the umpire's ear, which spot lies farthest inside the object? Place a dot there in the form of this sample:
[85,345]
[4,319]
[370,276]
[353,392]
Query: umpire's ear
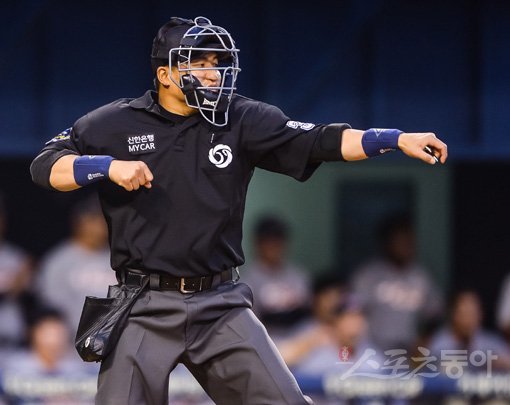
[163,77]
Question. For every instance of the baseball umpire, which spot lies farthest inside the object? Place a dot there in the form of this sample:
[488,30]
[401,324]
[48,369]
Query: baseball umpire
[172,170]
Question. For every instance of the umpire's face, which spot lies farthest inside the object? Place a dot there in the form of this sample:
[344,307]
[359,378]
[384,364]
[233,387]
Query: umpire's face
[205,73]
[205,69]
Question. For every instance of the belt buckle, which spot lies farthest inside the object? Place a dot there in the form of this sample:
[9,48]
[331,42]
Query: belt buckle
[182,286]
[131,277]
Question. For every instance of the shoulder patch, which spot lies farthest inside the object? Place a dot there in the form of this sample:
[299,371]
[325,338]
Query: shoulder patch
[63,136]
[305,126]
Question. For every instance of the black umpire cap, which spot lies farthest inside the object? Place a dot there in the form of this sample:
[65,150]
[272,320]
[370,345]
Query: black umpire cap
[169,36]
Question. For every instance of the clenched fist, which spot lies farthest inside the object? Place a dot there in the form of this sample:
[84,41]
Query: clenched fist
[414,144]
[130,175]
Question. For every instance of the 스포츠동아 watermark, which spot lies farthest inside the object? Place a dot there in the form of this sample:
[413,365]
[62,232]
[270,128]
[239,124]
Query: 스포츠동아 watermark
[398,363]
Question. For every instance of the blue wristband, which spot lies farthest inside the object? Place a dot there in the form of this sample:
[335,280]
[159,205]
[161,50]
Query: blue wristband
[376,141]
[91,168]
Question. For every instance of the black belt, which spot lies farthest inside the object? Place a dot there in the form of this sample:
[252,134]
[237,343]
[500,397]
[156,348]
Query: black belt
[185,285]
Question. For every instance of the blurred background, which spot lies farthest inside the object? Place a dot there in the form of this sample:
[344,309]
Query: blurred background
[412,255]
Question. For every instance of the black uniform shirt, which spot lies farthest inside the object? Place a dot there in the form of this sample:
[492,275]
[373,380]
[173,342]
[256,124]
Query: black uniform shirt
[190,222]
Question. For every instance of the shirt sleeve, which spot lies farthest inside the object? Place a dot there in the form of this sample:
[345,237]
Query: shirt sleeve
[276,143]
[65,143]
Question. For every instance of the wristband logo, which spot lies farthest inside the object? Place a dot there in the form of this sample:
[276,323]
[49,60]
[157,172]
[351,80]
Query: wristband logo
[379,131]
[220,156]
[92,176]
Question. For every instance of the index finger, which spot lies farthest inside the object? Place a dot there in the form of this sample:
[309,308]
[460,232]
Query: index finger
[440,147]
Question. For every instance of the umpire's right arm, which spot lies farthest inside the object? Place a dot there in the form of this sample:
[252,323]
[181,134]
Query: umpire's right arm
[59,165]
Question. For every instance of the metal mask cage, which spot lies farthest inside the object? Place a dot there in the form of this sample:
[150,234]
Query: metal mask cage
[212,101]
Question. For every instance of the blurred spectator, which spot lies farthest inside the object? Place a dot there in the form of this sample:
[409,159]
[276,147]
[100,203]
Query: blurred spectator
[79,266]
[397,292]
[329,293]
[338,347]
[47,373]
[15,277]
[503,310]
[464,332]
[280,289]
[310,349]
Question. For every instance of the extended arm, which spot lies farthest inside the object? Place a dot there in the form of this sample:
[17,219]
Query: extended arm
[341,142]
[412,144]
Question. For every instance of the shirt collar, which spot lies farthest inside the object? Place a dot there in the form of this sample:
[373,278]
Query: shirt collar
[146,102]
[149,102]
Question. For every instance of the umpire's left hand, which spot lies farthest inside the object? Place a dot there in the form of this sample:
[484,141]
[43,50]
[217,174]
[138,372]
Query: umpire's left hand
[414,144]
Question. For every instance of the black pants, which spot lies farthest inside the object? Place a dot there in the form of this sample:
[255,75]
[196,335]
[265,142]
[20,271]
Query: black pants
[214,333]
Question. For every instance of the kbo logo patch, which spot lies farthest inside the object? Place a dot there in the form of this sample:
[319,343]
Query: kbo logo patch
[63,136]
[220,156]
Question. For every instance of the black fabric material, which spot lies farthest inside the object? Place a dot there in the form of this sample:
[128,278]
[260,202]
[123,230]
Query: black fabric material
[103,319]
[328,146]
[189,224]
[40,169]
[169,36]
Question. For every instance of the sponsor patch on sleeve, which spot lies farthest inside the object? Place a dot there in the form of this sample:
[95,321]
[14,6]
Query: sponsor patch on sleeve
[305,126]
[63,136]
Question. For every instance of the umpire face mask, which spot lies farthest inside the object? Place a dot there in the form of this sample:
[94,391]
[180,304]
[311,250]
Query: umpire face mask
[207,63]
